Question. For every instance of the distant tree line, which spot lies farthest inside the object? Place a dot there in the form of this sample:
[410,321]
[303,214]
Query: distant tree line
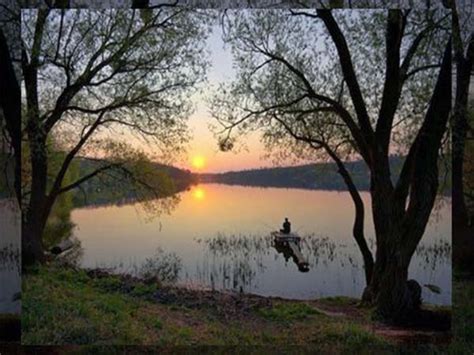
[320,176]
[109,190]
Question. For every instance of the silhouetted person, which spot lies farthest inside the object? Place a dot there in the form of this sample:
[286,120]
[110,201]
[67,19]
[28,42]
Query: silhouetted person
[286,227]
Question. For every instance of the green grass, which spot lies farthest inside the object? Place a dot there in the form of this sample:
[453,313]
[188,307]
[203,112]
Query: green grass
[288,312]
[340,300]
[353,336]
[63,306]
[75,311]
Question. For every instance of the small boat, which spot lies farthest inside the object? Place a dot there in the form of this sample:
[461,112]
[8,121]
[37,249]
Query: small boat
[289,245]
[281,237]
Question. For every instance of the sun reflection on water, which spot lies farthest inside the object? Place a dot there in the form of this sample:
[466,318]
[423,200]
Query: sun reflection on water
[199,193]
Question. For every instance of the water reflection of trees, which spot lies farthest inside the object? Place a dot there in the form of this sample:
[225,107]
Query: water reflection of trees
[234,261]
[150,208]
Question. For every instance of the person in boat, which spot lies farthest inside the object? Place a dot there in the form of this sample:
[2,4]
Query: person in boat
[286,227]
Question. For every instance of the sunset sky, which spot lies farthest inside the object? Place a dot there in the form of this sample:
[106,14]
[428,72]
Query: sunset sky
[203,146]
[202,153]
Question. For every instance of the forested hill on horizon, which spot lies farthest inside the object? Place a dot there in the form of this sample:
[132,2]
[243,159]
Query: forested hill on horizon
[317,176]
[320,176]
[111,190]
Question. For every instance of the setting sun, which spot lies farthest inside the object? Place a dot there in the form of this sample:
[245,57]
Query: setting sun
[199,162]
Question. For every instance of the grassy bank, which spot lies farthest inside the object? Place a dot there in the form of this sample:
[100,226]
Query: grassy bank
[65,306]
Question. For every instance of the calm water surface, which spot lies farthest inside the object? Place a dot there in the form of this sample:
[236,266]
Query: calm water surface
[9,256]
[221,235]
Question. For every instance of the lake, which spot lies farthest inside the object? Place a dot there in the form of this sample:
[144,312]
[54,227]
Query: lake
[220,235]
[10,267]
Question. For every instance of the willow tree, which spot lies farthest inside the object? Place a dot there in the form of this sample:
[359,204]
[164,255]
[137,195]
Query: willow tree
[383,87]
[91,76]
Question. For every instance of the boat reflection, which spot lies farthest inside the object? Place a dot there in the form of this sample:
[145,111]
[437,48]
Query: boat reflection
[288,253]
[290,246]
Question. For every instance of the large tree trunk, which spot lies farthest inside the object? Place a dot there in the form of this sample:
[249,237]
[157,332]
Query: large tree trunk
[387,220]
[31,242]
[395,300]
[398,232]
[34,222]
[39,207]
[400,222]
[37,211]
[33,227]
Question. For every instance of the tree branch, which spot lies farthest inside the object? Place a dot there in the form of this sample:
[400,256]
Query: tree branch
[70,156]
[359,135]
[392,88]
[420,172]
[349,75]
[83,179]
[419,69]
[90,71]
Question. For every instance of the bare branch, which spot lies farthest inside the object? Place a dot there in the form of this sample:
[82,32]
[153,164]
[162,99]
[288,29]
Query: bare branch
[85,178]
[70,156]
[422,68]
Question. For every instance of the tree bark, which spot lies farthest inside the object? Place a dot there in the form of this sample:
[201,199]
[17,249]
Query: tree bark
[36,214]
[395,298]
[34,219]
[358,227]
[399,228]
[31,242]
